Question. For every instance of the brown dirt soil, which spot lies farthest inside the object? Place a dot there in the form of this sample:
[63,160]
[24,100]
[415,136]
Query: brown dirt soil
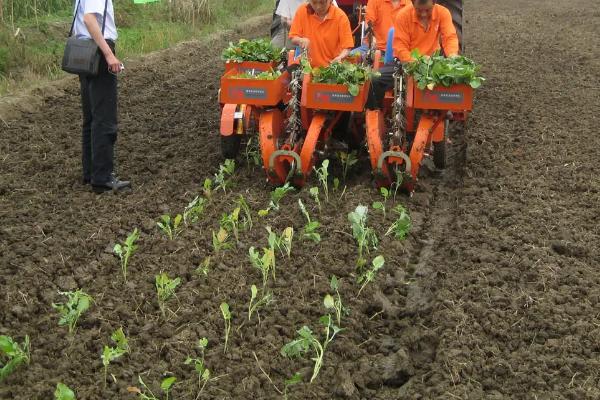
[495,294]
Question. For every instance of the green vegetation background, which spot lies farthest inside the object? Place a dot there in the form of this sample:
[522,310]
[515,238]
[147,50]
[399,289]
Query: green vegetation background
[33,32]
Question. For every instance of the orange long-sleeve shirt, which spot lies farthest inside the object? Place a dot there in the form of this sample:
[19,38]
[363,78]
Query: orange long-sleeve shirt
[381,13]
[409,34]
[327,37]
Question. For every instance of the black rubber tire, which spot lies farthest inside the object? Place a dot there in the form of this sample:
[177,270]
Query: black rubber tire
[230,146]
[439,154]
[456,9]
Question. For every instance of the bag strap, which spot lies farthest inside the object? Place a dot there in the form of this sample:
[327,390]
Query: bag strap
[75,17]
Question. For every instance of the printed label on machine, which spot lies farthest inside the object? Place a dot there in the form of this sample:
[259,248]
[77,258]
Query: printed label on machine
[334,97]
[247,93]
[443,97]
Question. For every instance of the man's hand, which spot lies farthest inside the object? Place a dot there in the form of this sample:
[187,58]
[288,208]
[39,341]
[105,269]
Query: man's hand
[114,65]
[338,59]
[304,43]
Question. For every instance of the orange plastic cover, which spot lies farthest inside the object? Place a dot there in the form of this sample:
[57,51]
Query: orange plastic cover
[332,97]
[452,98]
[252,91]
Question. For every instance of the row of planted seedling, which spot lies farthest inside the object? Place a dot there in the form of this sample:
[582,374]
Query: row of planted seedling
[263,260]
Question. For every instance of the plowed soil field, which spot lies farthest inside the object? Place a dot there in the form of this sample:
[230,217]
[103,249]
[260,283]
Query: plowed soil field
[495,294]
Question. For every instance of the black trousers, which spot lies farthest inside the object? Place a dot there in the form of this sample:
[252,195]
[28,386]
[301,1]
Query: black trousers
[379,86]
[99,131]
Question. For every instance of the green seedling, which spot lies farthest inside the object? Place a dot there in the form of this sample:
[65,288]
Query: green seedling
[110,354]
[125,250]
[254,306]
[147,394]
[307,342]
[194,210]
[246,213]
[314,192]
[252,153]
[12,355]
[284,242]
[227,318]
[294,380]
[63,392]
[309,231]
[402,224]
[265,263]
[220,240]
[200,367]
[365,237]
[230,222]
[279,193]
[348,160]
[165,289]
[378,205]
[77,303]
[170,226]
[223,178]
[204,267]
[207,188]
[335,303]
[336,184]
[323,176]
[370,274]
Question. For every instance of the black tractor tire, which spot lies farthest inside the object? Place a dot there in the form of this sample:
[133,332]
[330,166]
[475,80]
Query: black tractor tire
[439,149]
[230,146]
[456,9]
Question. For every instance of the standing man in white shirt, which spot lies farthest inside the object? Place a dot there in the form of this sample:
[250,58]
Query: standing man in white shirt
[286,9]
[95,19]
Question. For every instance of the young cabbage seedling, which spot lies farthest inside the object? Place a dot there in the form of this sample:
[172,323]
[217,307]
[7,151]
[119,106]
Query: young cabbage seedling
[207,188]
[223,178]
[125,250]
[365,236]
[378,205]
[295,379]
[200,367]
[307,342]
[310,229]
[335,303]
[402,225]
[323,176]
[147,394]
[230,222]
[63,392]
[264,263]
[227,318]
[370,274]
[165,289]
[220,240]
[314,192]
[12,355]
[204,267]
[246,213]
[170,226]
[110,354]
[77,303]
[255,306]
[348,160]
[252,153]
[194,210]
[279,193]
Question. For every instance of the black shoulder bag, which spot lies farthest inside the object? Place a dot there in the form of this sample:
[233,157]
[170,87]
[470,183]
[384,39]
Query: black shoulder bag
[82,56]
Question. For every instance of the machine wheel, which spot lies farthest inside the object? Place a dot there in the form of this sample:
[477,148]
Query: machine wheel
[439,149]
[230,146]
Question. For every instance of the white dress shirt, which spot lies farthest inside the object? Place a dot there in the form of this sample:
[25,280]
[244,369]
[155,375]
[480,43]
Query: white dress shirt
[287,8]
[95,7]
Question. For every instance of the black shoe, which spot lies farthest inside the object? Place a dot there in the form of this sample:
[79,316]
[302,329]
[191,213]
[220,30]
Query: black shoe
[114,184]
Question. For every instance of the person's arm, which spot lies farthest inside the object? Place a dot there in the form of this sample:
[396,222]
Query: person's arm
[449,37]
[283,10]
[296,34]
[345,38]
[91,23]
[402,40]
[371,15]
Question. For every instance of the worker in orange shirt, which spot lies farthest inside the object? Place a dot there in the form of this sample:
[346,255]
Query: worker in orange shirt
[380,17]
[323,30]
[420,27]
